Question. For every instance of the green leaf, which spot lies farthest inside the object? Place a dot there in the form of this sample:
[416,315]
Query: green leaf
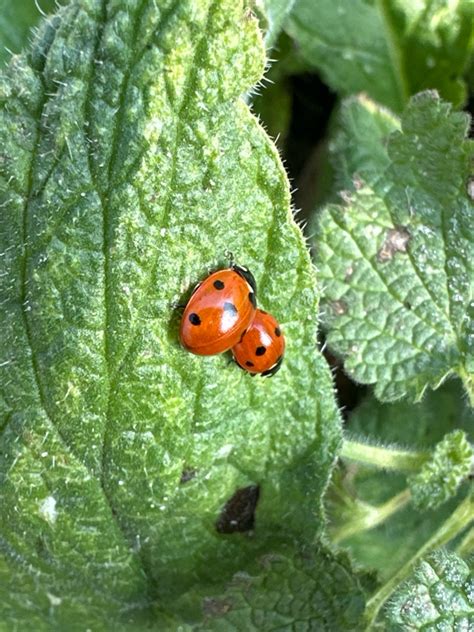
[16,22]
[420,426]
[359,495]
[358,142]
[128,167]
[396,260]
[292,584]
[389,49]
[274,100]
[441,476]
[277,12]
[439,596]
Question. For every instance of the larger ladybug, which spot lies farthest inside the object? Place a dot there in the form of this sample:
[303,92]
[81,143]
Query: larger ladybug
[262,346]
[219,311]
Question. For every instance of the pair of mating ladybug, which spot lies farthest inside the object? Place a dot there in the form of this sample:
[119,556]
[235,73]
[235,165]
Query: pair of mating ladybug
[222,314]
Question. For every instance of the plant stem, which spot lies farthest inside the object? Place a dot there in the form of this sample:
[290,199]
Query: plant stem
[468,382]
[373,516]
[387,458]
[466,546]
[457,522]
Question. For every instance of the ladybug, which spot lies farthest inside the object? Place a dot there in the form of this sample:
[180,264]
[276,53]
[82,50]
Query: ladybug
[261,347]
[219,311]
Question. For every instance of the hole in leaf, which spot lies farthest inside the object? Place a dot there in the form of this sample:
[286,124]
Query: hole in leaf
[238,514]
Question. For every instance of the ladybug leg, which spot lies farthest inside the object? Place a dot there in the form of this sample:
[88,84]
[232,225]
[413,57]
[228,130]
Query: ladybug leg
[228,254]
[180,306]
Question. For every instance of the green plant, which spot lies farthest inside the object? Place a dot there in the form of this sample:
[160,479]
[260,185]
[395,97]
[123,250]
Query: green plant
[143,487]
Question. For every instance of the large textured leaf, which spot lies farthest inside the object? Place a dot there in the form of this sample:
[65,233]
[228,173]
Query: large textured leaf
[305,587]
[439,596]
[390,49]
[129,166]
[397,259]
[16,20]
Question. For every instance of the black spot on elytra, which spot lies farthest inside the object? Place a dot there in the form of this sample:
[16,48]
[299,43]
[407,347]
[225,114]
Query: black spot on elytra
[194,319]
[277,332]
[238,514]
[248,363]
[252,299]
[219,285]
[260,351]
[230,308]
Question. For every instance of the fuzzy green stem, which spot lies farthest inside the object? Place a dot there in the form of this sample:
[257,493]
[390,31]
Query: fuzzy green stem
[386,458]
[372,517]
[468,382]
[456,523]
[466,546]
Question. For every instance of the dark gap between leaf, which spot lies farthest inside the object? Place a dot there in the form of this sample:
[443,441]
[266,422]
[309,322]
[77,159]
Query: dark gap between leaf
[238,514]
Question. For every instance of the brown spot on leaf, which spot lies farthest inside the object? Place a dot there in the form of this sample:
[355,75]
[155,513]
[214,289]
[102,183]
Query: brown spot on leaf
[396,241]
[238,514]
[470,188]
[339,307]
[214,607]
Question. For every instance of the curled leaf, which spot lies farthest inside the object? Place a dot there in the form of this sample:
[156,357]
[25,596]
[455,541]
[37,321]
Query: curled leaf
[439,478]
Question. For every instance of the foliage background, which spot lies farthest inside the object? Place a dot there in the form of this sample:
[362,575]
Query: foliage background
[113,522]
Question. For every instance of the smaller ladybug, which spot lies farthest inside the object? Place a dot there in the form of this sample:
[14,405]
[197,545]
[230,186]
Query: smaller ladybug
[261,347]
[219,311]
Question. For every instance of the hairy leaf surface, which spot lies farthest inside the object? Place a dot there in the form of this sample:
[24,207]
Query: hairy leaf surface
[397,259]
[16,21]
[389,49]
[129,166]
[288,586]
[439,595]
[448,467]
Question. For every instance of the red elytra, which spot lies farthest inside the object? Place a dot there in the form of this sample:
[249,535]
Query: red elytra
[219,311]
[262,346]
